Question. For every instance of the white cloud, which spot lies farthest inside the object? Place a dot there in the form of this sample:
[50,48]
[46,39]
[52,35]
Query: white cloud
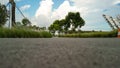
[63,10]
[93,15]
[43,14]
[25,7]
[45,8]
[90,10]
[42,21]
[93,3]
[116,2]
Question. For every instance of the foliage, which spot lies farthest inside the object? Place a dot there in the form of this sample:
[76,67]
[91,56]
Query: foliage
[3,15]
[26,22]
[56,26]
[23,33]
[64,24]
[18,24]
[75,20]
[91,34]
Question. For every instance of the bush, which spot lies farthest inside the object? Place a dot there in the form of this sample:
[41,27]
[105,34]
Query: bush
[92,34]
[23,33]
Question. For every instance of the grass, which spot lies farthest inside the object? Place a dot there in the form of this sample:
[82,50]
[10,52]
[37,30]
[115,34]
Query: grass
[92,34]
[23,33]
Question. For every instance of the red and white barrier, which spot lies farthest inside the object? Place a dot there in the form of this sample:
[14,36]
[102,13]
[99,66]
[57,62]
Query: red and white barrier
[118,33]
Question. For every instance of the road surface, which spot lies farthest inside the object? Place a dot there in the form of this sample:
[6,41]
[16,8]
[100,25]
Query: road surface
[60,53]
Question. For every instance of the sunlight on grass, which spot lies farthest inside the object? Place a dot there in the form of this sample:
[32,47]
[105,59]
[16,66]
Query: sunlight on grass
[23,33]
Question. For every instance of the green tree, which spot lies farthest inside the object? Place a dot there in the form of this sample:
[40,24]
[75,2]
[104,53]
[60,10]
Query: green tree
[26,22]
[51,28]
[75,19]
[55,26]
[3,15]
[63,25]
[18,24]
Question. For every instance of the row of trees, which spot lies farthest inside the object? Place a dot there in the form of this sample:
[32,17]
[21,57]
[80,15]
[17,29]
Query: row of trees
[63,25]
[25,22]
[4,16]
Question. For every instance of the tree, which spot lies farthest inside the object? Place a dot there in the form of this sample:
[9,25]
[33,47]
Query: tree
[75,20]
[26,22]
[51,28]
[18,24]
[3,15]
[55,26]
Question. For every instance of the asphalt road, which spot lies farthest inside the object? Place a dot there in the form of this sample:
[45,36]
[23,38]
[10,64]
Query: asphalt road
[60,53]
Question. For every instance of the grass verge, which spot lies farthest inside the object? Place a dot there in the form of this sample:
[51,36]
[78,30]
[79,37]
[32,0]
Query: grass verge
[23,33]
[92,34]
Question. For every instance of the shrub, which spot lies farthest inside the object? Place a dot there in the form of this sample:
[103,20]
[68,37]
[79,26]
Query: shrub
[92,34]
[23,33]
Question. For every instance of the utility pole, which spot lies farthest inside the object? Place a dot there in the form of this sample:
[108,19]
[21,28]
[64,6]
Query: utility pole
[12,12]
[10,16]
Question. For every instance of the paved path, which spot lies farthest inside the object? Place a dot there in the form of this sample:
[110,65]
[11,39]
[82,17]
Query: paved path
[60,53]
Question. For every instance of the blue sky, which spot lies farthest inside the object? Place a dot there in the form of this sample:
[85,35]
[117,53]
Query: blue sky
[35,5]
[44,12]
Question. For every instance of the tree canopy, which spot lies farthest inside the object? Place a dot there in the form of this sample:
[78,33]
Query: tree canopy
[26,22]
[75,20]
[3,15]
[72,18]
[55,26]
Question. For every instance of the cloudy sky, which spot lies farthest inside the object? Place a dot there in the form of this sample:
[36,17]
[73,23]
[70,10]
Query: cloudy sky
[44,12]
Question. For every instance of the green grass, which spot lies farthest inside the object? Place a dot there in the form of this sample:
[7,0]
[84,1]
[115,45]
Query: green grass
[23,33]
[92,34]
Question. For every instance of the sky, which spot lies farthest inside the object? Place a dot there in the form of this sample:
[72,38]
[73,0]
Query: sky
[43,12]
